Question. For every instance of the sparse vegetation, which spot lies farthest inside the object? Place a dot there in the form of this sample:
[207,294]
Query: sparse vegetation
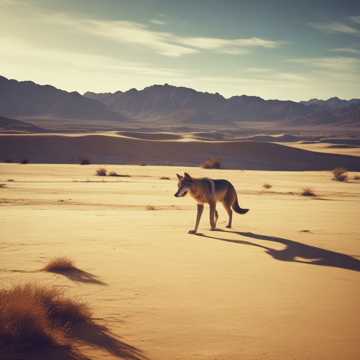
[33,316]
[357,177]
[24,161]
[340,174]
[60,265]
[308,192]
[164,178]
[101,172]
[267,186]
[212,163]
[85,162]
[150,207]
[11,180]
[3,186]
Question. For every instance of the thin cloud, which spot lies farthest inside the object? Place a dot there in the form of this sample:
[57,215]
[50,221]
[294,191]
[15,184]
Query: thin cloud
[346,50]
[164,43]
[157,22]
[336,27]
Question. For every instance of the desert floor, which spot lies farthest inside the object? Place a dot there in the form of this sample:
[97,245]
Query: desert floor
[284,283]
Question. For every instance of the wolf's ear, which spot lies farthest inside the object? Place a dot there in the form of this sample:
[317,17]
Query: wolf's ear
[187,175]
[179,176]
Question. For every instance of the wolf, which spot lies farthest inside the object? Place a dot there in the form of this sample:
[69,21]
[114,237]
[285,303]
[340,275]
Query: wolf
[209,191]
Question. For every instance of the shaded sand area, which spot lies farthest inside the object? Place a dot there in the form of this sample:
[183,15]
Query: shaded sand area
[284,283]
[124,150]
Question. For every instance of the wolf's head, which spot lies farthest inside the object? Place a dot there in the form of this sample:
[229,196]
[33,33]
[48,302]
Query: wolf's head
[184,184]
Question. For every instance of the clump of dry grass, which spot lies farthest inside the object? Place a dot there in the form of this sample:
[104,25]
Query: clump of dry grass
[164,178]
[267,186]
[60,265]
[3,186]
[357,177]
[211,163]
[11,180]
[33,316]
[101,172]
[150,207]
[308,192]
[24,161]
[340,174]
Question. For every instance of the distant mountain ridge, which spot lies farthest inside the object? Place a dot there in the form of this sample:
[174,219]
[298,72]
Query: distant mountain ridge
[170,105]
[21,99]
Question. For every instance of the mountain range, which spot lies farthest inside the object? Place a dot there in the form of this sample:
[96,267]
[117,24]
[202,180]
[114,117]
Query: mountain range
[171,105]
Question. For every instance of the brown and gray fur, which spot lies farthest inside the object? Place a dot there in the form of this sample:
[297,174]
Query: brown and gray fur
[210,191]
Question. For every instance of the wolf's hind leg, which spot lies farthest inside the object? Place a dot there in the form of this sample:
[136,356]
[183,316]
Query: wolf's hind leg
[229,212]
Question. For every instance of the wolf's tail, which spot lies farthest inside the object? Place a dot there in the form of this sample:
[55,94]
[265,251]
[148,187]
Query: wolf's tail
[236,207]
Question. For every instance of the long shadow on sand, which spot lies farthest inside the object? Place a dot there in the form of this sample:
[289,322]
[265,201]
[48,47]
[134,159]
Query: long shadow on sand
[295,251]
[80,276]
[99,336]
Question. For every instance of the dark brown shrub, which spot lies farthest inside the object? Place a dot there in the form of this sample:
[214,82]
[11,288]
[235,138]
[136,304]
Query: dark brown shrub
[212,163]
[340,174]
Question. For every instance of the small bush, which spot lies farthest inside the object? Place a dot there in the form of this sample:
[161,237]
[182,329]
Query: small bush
[267,186]
[85,162]
[101,172]
[11,180]
[60,265]
[3,186]
[32,316]
[150,207]
[340,174]
[357,177]
[164,178]
[308,192]
[212,164]
[24,161]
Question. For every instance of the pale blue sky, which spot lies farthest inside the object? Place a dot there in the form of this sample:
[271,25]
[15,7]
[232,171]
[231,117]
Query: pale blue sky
[273,49]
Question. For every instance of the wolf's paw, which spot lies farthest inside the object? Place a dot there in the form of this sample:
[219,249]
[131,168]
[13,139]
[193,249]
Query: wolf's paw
[192,232]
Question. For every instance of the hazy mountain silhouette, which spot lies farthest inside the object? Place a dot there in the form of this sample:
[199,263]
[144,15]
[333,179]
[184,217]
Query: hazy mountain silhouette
[17,125]
[171,103]
[27,99]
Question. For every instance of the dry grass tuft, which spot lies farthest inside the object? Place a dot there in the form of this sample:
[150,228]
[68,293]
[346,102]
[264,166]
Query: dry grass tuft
[308,192]
[32,316]
[150,207]
[357,177]
[60,265]
[340,174]
[115,174]
[85,162]
[24,161]
[164,178]
[101,172]
[3,186]
[267,186]
[212,163]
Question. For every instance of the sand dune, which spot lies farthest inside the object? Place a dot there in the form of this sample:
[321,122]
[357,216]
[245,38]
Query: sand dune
[282,284]
[107,149]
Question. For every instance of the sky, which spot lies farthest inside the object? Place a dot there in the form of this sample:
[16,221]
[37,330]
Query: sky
[293,50]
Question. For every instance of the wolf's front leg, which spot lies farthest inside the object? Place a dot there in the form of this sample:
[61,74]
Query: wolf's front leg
[213,215]
[200,208]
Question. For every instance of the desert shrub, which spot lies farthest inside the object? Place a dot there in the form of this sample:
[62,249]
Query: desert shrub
[11,180]
[150,207]
[3,186]
[101,172]
[85,162]
[24,161]
[164,178]
[60,265]
[357,177]
[32,316]
[212,163]
[308,192]
[340,174]
[267,186]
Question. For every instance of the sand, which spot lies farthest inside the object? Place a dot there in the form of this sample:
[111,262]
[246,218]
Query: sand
[283,284]
[100,148]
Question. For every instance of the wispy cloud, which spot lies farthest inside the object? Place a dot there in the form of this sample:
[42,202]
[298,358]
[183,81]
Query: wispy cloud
[346,50]
[336,27]
[340,64]
[164,43]
[157,22]
[355,19]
